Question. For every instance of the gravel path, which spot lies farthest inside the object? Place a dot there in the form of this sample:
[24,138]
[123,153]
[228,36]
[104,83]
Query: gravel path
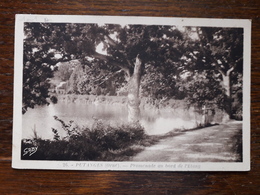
[220,143]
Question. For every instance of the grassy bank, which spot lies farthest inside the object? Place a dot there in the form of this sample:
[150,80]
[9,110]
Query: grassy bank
[101,142]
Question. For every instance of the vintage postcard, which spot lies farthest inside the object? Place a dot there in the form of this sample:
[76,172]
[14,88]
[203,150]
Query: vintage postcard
[131,93]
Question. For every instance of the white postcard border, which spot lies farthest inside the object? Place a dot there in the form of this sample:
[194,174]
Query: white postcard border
[129,166]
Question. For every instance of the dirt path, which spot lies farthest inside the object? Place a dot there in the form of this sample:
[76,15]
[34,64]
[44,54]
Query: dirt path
[220,143]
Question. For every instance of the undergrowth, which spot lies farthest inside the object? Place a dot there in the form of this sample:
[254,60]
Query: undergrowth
[101,142]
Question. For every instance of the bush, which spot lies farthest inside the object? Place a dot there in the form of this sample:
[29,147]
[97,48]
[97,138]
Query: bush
[54,99]
[100,142]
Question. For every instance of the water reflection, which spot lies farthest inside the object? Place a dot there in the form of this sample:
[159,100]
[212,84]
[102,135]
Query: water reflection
[154,121]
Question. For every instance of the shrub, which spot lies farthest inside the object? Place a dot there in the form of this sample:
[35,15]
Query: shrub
[102,141]
[54,99]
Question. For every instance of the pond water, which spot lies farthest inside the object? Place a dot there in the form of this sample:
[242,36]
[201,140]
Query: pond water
[40,119]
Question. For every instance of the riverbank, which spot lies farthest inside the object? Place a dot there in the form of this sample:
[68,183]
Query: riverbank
[103,142]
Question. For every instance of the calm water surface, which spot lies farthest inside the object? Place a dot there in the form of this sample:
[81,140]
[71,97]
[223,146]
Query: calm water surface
[154,121]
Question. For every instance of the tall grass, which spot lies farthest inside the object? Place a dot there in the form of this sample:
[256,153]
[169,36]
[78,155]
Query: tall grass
[101,142]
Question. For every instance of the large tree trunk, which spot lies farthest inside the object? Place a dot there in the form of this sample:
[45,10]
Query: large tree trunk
[133,93]
[227,86]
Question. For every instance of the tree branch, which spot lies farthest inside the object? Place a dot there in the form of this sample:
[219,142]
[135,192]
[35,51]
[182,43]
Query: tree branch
[111,41]
[119,49]
[109,59]
[238,60]
[230,70]
[110,76]
[222,73]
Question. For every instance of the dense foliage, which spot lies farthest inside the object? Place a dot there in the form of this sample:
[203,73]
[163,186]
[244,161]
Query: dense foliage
[102,141]
[201,64]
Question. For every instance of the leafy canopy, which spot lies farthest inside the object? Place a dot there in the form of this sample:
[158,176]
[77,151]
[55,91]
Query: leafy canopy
[175,63]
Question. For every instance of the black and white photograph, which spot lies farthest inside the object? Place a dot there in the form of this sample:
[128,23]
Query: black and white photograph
[131,93]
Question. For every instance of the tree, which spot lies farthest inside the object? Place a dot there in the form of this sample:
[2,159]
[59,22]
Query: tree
[131,52]
[162,61]
[40,45]
[217,55]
